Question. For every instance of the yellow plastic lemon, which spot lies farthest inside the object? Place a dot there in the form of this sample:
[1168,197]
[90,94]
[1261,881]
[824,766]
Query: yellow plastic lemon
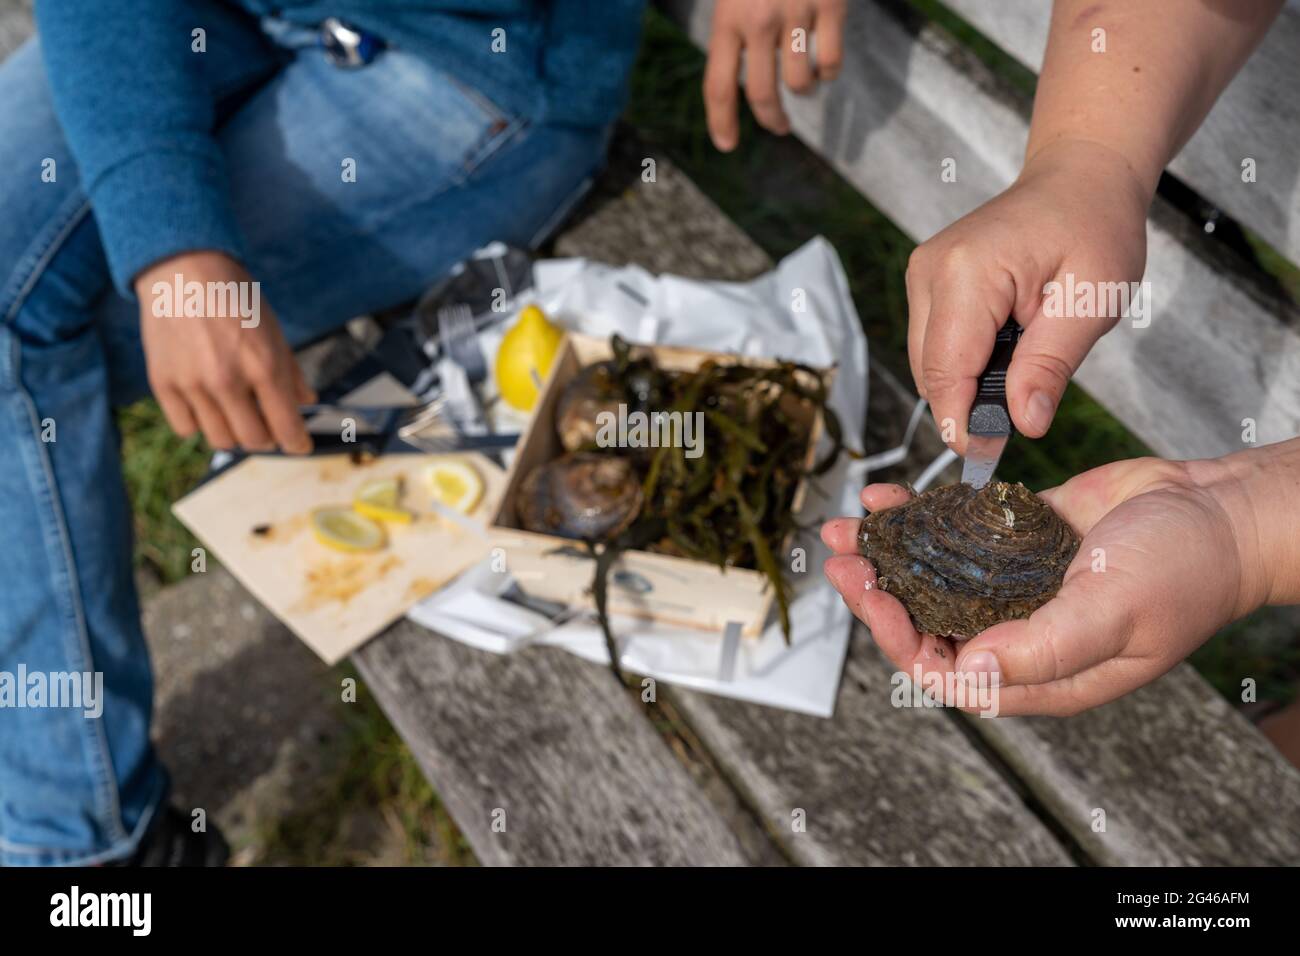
[525,356]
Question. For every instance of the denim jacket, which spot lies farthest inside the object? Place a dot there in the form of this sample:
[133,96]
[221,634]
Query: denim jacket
[139,113]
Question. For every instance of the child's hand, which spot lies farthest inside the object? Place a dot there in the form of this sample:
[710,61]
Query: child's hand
[1181,552]
[765,30]
[1077,209]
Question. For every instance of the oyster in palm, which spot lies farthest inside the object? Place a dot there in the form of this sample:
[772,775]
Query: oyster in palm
[961,560]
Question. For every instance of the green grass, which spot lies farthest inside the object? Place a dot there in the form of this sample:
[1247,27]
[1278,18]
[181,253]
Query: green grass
[377,782]
[1276,265]
[159,469]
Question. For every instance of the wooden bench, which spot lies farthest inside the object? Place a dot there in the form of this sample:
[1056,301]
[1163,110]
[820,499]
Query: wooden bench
[586,772]
[542,758]
[1182,778]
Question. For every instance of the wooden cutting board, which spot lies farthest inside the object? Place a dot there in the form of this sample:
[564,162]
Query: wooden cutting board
[256,519]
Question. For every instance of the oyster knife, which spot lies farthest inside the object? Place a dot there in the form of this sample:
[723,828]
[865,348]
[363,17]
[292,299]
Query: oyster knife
[990,421]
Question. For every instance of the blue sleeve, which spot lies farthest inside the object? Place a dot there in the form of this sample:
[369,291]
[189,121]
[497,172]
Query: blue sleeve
[138,113]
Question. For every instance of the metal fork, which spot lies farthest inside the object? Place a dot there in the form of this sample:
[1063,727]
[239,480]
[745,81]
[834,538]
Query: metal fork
[414,433]
[460,341]
[462,369]
[443,444]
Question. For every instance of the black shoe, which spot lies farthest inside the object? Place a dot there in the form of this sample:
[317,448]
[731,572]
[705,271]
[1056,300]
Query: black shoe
[172,842]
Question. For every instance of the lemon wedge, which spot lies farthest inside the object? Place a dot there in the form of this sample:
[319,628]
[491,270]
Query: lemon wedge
[379,499]
[344,530]
[454,483]
[525,356]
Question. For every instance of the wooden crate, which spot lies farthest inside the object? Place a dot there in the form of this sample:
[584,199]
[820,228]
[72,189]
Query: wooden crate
[660,587]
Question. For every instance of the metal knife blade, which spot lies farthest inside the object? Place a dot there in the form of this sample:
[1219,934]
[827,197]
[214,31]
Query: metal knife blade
[990,421]
[982,455]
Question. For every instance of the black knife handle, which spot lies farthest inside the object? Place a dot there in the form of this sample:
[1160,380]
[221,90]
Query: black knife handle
[989,415]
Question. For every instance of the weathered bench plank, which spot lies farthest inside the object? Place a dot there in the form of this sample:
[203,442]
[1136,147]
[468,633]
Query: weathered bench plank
[550,747]
[876,785]
[1255,117]
[1217,350]
[1181,777]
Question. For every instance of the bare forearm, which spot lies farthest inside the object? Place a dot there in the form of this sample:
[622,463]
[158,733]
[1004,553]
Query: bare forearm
[1259,489]
[1143,86]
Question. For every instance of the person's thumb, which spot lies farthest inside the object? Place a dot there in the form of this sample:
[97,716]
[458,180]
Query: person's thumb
[1050,352]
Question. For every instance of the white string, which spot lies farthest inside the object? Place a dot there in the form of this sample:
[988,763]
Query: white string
[893,456]
[933,469]
[885,459]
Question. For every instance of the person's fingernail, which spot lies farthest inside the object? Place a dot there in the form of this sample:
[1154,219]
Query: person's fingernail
[981,662]
[1039,411]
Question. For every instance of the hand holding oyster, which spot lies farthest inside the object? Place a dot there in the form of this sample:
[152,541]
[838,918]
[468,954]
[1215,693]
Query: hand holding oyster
[1169,554]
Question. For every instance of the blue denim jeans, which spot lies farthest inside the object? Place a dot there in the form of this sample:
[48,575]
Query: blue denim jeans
[439,171]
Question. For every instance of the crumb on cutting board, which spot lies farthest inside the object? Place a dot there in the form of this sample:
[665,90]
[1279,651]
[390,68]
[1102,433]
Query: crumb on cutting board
[340,580]
[421,588]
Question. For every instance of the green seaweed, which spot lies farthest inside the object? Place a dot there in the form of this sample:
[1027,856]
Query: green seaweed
[732,505]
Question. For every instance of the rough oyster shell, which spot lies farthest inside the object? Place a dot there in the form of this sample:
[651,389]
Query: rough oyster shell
[962,560]
[595,389]
[581,495]
[599,388]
